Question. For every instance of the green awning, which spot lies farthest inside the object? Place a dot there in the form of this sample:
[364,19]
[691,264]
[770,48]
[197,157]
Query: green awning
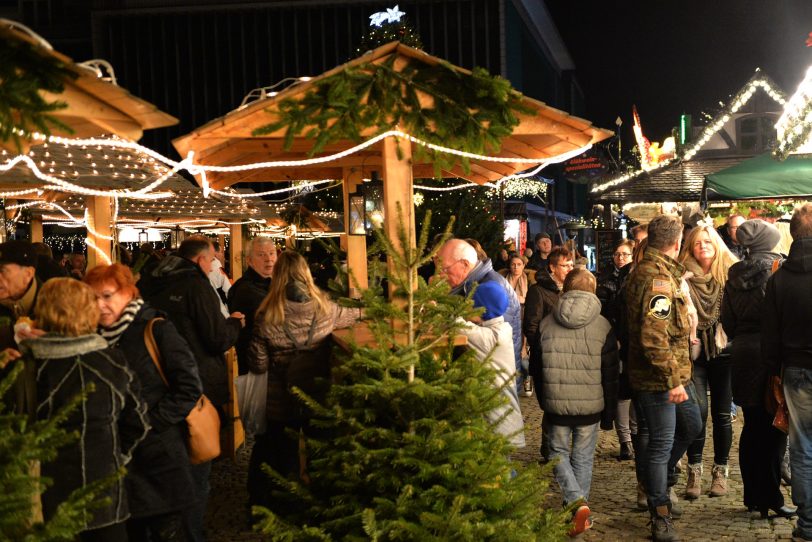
[762,177]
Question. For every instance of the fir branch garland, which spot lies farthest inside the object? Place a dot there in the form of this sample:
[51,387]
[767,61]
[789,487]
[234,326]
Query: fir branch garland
[24,71]
[471,112]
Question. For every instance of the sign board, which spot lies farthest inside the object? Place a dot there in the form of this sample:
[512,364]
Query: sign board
[585,167]
[605,241]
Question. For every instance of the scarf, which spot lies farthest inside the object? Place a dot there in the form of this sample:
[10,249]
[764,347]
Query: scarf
[706,293]
[113,333]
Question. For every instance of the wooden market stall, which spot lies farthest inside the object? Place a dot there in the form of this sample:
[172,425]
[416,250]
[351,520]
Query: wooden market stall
[543,133]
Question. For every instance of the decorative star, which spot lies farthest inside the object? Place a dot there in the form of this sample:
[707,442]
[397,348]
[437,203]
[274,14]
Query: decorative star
[394,14]
[391,15]
[377,19]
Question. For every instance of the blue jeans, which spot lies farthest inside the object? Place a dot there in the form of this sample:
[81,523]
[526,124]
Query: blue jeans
[664,432]
[573,448]
[798,393]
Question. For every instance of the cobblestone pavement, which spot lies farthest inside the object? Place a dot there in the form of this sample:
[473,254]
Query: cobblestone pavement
[612,500]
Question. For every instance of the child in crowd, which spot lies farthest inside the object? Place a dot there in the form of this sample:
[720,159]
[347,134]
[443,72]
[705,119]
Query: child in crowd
[491,335]
[578,388]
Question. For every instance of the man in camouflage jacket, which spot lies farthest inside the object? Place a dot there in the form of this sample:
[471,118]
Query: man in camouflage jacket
[659,368]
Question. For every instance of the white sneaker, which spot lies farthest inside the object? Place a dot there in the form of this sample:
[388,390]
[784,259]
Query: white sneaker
[528,387]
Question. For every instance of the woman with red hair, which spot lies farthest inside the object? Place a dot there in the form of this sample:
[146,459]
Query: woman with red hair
[159,481]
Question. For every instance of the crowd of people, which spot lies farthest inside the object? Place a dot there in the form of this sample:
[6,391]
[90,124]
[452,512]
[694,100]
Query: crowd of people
[677,328]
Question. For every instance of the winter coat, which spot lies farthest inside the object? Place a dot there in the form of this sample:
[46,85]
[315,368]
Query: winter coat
[296,353]
[741,315]
[537,263]
[159,479]
[579,367]
[785,337]
[245,296]
[494,338]
[179,288]
[483,272]
[542,298]
[608,291]
[110,423]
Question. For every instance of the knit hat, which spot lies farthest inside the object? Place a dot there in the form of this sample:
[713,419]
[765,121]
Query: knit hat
[541,235]
[758,235]
[19,252]
[493,297]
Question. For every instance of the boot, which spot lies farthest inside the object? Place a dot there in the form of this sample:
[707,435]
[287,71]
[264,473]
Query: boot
[694,486]
[626,451]
[642,498]
[662,528]
[673,508]
[719,481]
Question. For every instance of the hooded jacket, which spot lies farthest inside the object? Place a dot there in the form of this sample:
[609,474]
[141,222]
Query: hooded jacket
[579,367]
[483,272]
[179,288]
[785,336]
[741,316]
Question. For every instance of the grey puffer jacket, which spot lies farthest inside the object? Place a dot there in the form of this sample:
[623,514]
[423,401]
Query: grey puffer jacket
[579,367]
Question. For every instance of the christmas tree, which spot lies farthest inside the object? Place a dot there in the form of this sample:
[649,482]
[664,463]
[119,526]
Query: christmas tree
[407,452]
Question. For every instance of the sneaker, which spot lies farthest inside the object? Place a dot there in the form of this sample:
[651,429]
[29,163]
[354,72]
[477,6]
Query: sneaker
[528,387]
[626,451]
[580,520]
[693,489]
[719,481]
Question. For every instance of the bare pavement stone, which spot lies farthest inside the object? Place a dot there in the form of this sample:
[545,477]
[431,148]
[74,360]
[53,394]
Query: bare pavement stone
[613,498]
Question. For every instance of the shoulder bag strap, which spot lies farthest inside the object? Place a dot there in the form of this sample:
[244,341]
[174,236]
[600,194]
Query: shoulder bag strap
[152,348]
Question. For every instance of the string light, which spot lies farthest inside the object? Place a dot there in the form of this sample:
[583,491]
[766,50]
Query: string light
[795,123]
[743,96]
[99,252]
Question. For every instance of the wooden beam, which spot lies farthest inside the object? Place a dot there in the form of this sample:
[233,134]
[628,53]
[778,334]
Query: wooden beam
[398,192]
[36,229]
[99,215]
[235,250]
[356,245]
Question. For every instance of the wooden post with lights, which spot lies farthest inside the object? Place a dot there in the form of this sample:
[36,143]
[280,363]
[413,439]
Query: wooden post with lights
[356,245]
[235,250]
[398,188]
[36,229]
[99,215]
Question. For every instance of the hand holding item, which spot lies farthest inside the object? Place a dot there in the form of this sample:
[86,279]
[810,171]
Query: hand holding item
[239,316]
[7,356]
[24,329]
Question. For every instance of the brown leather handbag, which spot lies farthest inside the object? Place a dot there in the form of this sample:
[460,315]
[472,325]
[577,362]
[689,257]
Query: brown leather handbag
[203,422]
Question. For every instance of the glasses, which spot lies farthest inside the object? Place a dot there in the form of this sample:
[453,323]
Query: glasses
[447,268]
[568,264]
[622,254]
[106,296]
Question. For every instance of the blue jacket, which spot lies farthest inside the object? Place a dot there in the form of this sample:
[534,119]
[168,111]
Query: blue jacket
[483,272]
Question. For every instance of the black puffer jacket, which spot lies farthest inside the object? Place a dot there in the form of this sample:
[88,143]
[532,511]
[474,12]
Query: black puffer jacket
[179,288]
[785,337]
[159,479]
[742,312]
[245,296]
[542,298]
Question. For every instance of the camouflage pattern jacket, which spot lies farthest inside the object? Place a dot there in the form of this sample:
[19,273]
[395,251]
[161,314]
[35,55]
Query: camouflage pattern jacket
[659,330]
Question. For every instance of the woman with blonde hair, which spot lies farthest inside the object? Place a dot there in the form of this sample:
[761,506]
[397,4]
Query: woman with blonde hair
[708,259]
[71,359]
[291,344]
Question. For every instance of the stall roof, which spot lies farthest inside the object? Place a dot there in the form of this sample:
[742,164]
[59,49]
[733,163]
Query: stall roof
[763,177]
[229,140]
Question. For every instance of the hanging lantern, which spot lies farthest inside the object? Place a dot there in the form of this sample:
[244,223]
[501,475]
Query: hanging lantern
[356,210]
[176,237]
[373,202]
[143,237]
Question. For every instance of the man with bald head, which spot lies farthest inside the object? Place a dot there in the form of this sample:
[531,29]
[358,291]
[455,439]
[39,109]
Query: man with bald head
[458,264]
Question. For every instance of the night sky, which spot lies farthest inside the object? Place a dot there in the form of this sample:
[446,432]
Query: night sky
[679,56]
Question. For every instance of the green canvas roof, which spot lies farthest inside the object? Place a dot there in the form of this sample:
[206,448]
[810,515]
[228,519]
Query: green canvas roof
[762,177]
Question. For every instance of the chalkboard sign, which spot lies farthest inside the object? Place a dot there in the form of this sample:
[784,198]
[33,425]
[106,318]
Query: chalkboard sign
[605,241]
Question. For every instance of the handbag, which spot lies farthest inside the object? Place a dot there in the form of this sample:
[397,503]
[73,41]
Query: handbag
[203,422]
[775,403]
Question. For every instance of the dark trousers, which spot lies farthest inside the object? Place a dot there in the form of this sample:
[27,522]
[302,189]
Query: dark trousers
[194,518]
[116,532]
[161,528]
[713,375]
[277,448]
[761,450]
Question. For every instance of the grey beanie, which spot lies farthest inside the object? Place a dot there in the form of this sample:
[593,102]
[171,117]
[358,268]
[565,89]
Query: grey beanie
[758,235]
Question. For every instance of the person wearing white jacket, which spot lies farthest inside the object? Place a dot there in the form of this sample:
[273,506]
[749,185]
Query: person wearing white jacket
[490,335]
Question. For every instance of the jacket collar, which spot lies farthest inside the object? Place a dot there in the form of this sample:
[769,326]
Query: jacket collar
[57,347]
[673,266]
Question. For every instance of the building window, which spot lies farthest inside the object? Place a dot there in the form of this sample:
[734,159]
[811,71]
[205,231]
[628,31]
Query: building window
[756,134]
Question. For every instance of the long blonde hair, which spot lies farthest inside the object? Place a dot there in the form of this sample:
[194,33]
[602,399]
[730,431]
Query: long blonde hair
[722,259]
[290,267]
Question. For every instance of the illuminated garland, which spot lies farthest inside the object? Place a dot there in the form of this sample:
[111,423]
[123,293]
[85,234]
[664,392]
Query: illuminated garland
[743,96]
[795,124]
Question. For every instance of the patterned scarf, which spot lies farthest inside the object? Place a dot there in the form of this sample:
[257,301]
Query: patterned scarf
[113,333]
[706,293]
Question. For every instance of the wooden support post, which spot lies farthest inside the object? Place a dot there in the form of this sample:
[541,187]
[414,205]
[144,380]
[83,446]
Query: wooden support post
[356,245]
[99,215]
[398,189]
[36,229]
[235,251]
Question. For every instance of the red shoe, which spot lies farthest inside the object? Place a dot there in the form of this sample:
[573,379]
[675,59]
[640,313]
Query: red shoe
[580,520]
